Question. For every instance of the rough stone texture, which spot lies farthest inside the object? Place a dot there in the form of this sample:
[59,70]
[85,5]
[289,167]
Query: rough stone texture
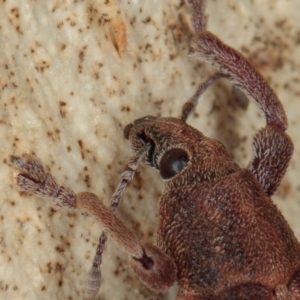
[72,75]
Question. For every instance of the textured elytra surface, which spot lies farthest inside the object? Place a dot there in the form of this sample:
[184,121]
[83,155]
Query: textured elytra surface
[72,75]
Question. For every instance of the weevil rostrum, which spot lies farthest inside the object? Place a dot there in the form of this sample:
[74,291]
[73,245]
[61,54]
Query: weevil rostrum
[219,235]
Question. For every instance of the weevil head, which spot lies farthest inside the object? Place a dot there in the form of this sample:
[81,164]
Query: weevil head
[182,154]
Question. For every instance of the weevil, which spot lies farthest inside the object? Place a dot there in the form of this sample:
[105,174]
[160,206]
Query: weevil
[219,235]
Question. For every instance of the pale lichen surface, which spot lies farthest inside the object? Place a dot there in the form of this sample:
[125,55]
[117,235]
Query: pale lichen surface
[72,75]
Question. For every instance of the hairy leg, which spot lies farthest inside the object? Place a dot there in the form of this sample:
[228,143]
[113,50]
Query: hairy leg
[154,268]
[272,146]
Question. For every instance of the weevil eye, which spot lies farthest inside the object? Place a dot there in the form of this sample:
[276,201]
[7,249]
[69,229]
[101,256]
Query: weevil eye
[172,162]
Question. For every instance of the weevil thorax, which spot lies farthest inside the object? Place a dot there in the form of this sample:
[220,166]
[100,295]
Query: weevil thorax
[182,154]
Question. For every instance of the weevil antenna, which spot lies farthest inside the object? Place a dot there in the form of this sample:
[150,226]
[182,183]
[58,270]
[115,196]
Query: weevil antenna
[127,176]
[94,274]
[190,105]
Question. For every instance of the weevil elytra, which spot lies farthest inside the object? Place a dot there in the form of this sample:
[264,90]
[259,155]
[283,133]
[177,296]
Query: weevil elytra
[219,234]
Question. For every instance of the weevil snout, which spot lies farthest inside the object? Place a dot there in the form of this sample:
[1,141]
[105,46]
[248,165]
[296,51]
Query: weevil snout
[126,130]
[136,122]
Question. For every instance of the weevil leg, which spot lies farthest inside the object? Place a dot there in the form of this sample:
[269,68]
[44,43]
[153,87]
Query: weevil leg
[272,146]
[273,150]
[33,178]
[206,46]
[154,268]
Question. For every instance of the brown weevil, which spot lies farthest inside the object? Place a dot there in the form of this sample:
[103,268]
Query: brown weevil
[219,234]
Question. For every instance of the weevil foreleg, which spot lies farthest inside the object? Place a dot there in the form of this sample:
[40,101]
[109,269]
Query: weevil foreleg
[154,267]
[33,178]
